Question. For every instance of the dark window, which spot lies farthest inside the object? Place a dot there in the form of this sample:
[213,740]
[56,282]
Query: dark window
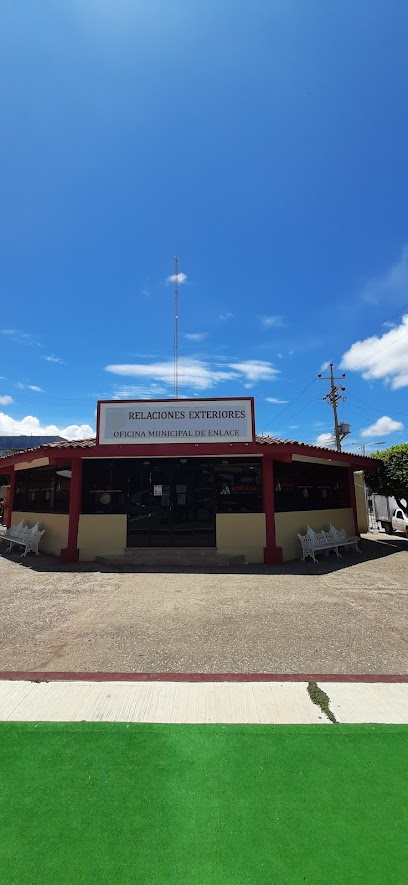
[238,487]
[43,490]
[104,485]
[117,486]
[304,486]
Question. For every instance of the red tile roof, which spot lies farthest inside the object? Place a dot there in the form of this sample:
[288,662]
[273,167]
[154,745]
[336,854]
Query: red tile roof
[274,441]
[67,444]
[260,440]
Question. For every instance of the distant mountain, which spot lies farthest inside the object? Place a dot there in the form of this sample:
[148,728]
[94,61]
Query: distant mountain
[16,443]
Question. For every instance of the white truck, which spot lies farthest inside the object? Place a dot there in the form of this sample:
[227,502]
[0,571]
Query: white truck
[388,513]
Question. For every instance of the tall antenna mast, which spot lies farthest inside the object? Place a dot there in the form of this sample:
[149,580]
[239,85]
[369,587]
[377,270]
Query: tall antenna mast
[176,328]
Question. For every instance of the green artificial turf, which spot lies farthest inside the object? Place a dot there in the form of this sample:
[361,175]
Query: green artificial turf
[108,804]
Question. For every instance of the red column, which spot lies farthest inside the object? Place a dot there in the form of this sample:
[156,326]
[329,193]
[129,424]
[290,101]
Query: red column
[10,497]
[71,552]
[272,553]
[352,493]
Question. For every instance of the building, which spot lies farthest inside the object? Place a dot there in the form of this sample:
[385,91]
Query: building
[180,474]
[10,444]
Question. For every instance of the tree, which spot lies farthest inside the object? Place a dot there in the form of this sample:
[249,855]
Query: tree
[391,476]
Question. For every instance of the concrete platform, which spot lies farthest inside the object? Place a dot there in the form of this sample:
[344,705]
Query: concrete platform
[375,702]
[158,702]
[185,557]
[257,702]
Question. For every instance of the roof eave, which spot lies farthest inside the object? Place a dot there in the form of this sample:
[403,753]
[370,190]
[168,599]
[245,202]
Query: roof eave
[81,448]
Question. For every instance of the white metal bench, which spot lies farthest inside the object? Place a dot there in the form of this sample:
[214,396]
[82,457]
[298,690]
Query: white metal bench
[343,539]
[314,542]
[15,532]
[23,536]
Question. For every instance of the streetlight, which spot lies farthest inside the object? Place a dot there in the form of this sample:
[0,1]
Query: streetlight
[364,446]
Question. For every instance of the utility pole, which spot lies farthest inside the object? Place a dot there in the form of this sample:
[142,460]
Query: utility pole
[333,398]
[176,329]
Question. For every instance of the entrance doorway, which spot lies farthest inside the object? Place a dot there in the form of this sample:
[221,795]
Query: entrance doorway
[171,503]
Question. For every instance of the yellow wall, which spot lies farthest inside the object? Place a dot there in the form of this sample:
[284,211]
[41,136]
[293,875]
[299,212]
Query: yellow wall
[309,460]
[100,535]
[288,524]
[241,533]
[55,525]
[362,517]
[38,462]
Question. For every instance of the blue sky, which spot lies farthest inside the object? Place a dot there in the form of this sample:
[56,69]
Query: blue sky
[265,143]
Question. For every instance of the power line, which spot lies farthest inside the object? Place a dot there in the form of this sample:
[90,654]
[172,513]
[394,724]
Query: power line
[397,312]
[299,411]
[373,331]
[365,416]
[376,352]
[367,408]
[276,418]
[369,335]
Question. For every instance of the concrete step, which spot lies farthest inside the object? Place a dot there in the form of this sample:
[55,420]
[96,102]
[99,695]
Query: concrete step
[176,556]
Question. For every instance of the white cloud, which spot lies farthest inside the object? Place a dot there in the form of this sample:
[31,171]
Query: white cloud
[390,286]
[381,358]
[19,337]
[192,373]
[255,370]
[6,400]
[382,427]
[32,425]
[53,359]
[325,441]
[130,391]
[180,278]
[324,366]
[226,316]
[77,431]
[197,374]
[29,387]
[195,336]
[274,401]
[15,333]
[270,322]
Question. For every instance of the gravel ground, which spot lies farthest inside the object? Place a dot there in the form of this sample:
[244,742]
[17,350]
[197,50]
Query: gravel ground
[346,616]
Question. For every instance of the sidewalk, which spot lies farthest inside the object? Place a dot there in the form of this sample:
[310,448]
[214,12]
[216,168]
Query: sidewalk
[192,701]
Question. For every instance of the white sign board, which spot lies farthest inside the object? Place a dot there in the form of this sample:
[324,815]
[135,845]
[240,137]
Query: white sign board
[175,421]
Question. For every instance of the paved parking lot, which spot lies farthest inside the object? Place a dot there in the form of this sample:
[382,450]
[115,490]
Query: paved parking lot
[348,616]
